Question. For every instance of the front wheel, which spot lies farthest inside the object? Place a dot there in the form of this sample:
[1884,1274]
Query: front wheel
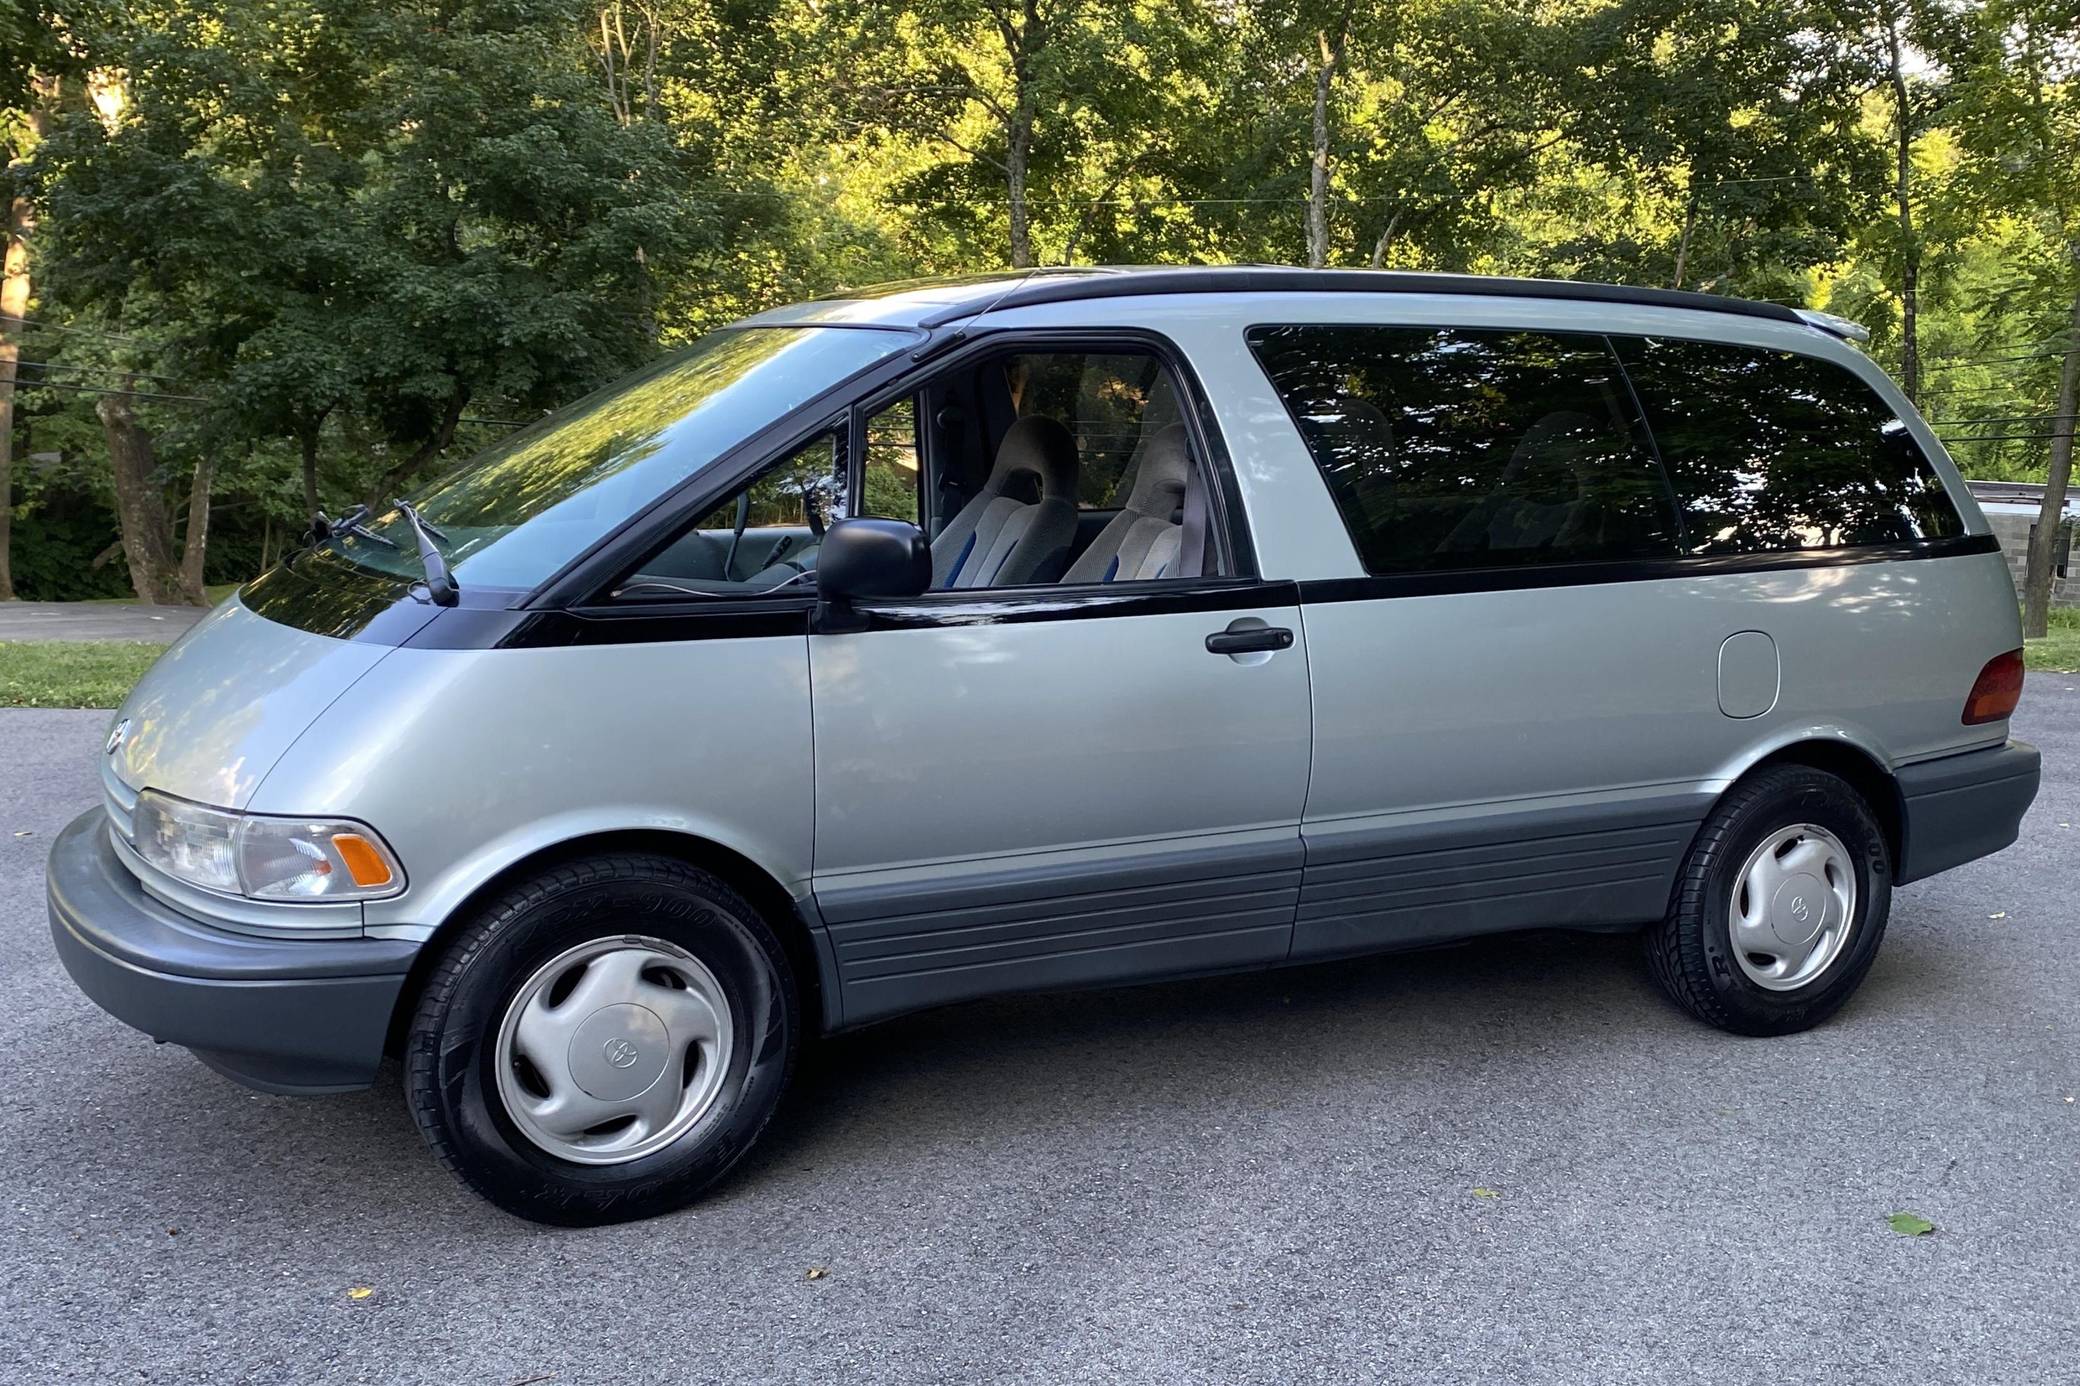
[1780,907]
[604,1041]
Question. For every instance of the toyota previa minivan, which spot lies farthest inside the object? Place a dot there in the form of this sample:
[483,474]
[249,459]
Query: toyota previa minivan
[1053,630]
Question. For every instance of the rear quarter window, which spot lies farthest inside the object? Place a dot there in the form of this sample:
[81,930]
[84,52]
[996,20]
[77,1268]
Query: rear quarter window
[1451,448]
[1772,451]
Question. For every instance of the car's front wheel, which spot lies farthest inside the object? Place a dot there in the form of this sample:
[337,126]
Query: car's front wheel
[604,1041]
[1781,905]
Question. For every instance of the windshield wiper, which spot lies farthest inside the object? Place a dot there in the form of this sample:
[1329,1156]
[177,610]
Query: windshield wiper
[349,523]
[440,585]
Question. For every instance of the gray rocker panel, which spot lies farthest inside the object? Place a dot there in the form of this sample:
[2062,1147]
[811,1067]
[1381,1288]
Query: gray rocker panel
[1374,887]
[1180,911]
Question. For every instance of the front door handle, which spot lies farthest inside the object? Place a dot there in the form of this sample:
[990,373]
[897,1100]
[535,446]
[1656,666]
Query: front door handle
[1249,640]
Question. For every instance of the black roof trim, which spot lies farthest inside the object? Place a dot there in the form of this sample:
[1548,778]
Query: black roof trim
[1070,286]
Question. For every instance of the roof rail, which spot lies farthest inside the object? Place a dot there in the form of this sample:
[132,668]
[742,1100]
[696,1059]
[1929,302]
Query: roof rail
[1071,286]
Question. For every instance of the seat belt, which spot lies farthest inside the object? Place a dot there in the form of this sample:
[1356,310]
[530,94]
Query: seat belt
[1191,541]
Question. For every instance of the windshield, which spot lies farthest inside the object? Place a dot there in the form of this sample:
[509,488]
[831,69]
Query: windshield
[517,512]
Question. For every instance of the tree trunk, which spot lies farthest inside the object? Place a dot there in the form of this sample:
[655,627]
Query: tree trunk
[1017,161]
[393,481]
[196,547]
[1318,171]
[2036,582]
[1909,243]
[14,302]
[308,439]
[140,504]
[1385,242]
[1683,243]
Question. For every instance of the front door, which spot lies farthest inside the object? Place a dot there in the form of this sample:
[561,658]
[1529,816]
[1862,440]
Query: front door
[1088,766]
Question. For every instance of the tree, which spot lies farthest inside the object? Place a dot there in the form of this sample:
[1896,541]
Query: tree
[362,217]
[2018,118]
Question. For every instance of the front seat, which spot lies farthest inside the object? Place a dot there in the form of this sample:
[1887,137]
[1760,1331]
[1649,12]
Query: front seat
[999,540]
[1141,542]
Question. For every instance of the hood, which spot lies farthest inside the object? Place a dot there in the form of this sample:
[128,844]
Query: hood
[210,719]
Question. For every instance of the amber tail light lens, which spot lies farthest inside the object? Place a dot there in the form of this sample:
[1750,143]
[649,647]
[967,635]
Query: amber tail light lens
[1998,689]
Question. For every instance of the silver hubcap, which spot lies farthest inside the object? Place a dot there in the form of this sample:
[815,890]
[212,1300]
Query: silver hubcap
[1792,907]
[614,1049]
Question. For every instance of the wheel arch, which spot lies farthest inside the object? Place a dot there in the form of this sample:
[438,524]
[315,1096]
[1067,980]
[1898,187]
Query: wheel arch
[1860,768]
[755,883]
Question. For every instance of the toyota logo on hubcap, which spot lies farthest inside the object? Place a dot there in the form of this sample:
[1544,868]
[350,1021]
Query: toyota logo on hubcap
[621,1054]
[1799,909]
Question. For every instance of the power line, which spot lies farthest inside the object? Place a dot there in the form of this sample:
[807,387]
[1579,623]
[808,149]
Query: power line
[103,390]
[40,325]
[99,370]
[2004,418]
[2002,438]
[1960,362]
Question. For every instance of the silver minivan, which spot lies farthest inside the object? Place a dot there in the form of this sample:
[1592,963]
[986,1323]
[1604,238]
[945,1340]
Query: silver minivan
[1051,630]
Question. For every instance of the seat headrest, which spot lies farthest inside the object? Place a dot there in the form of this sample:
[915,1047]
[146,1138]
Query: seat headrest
[1160,480]
[1038,446]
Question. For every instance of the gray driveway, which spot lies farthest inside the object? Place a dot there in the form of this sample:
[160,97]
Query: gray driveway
[96,621]
[1248,1178]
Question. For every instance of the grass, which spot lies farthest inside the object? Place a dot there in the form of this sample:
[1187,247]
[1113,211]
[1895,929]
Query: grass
[2059,650]
[71,673]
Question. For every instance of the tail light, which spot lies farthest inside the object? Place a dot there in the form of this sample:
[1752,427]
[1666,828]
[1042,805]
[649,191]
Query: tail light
[1996,691]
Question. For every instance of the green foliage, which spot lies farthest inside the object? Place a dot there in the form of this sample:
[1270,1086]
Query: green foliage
[373,237]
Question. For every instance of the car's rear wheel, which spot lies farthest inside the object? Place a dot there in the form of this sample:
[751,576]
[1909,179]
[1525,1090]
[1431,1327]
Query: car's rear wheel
[604,1041]
[1780,907]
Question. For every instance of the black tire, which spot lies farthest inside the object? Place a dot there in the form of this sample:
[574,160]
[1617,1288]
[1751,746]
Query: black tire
[1691,951]
[450,1054]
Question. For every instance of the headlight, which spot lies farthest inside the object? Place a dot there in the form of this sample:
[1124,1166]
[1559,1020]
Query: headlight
[263,858]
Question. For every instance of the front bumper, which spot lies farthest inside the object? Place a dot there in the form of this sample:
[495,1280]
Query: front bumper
[1960,808]
[280,1015]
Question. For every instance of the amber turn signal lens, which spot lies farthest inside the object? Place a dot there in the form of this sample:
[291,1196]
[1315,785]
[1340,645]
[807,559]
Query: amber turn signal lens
[364,863]
[1998,689]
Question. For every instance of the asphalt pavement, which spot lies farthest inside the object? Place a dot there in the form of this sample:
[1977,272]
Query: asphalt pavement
[159,625]
[1507,1162]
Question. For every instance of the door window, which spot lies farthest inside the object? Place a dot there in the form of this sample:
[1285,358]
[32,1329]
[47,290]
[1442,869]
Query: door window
[1081,472]
[1450,448]
[1771,451]
[762,537]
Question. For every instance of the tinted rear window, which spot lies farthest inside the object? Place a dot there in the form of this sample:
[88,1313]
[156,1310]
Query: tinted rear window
[1449,448]
[1771,451]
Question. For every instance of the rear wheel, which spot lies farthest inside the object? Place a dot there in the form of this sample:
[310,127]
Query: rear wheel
[604,1041]
[1780,908]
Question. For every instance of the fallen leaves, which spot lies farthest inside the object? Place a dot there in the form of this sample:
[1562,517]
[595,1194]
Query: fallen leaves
[817,1272]
[359,1292]
[1479,1192]
[1910,1224]
[1998,914]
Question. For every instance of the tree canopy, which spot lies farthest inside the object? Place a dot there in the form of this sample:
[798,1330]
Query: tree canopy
[271,256]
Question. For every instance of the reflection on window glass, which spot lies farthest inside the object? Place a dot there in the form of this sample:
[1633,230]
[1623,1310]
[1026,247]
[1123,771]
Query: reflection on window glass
[1111,403]
[1772,451]
[807,488]
[890,480]
[1447,448]
[763,537]
[516,513]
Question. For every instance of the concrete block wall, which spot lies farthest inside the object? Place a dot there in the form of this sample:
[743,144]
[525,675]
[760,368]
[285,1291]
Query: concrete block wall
[2013,532]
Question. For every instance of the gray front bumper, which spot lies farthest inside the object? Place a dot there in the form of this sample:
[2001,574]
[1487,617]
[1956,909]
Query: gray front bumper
[1961,808]
[281,1015]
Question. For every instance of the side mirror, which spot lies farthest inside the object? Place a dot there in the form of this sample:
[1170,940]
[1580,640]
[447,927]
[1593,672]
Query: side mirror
[868,558]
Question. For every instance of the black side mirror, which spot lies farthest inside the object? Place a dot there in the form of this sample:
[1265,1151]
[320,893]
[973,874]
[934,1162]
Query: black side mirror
[868,558]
